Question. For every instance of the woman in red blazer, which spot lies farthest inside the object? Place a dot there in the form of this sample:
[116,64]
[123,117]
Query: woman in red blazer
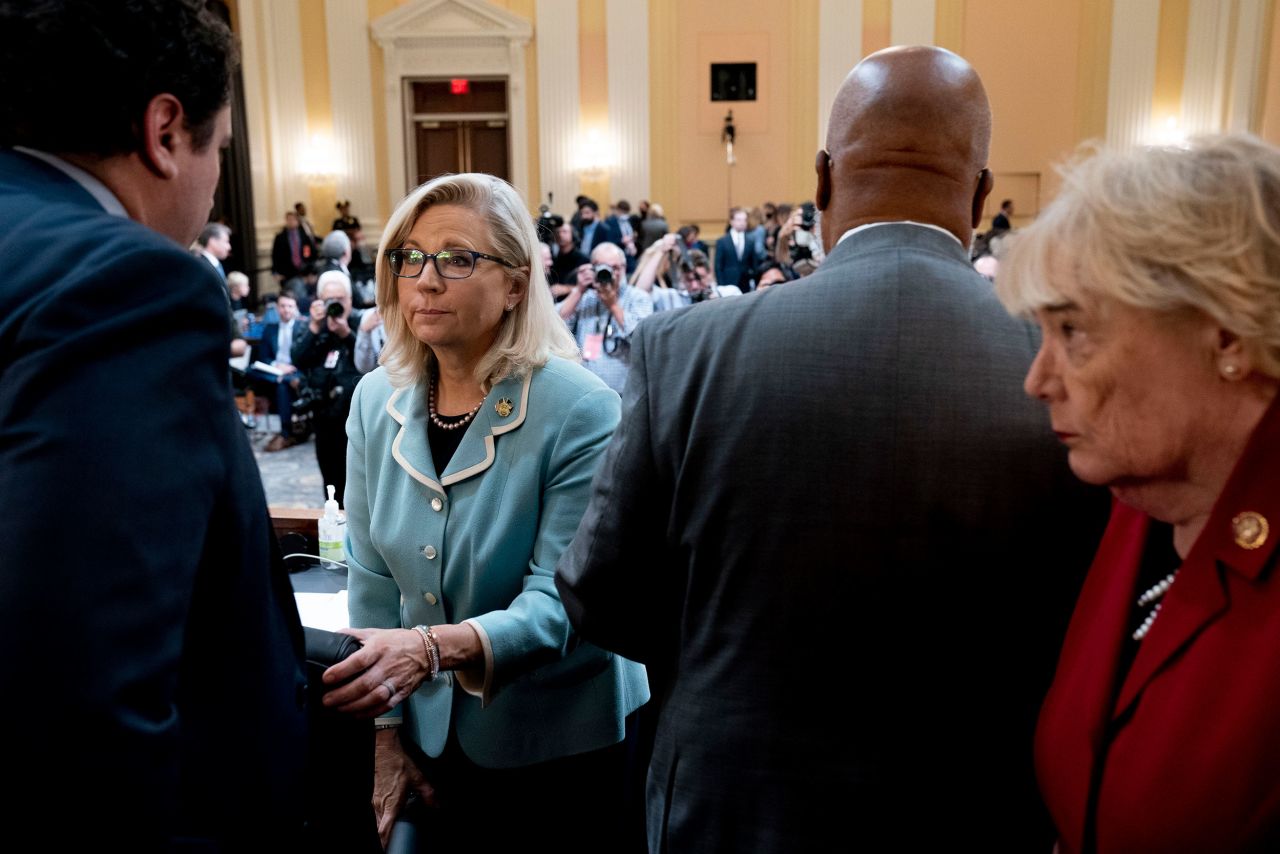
[1155,278]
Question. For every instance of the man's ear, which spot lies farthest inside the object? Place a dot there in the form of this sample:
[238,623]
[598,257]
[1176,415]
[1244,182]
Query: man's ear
[822,163]
[980,193]
[164,133]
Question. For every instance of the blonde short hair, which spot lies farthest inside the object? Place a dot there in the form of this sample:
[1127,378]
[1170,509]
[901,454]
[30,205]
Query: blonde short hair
[1163,229]
[528,335]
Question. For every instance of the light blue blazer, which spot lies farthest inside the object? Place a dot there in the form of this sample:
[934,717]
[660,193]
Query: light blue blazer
[479,543]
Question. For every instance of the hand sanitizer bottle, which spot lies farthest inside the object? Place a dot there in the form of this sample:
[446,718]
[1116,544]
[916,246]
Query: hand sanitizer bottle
[331,530]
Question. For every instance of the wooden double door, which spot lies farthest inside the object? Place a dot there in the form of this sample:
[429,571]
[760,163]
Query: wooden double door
[460,131]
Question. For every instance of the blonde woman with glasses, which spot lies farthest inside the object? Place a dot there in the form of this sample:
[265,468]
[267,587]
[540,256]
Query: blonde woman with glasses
[471,455]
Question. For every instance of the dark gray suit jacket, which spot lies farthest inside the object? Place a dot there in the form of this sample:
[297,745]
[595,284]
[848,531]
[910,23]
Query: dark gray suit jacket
[836,524]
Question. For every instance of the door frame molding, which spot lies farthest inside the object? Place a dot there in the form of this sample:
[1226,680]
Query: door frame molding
[451,38]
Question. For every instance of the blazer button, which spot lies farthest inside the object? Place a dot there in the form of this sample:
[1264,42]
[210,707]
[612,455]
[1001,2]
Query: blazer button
[430,597]
[429,552]
[437,505]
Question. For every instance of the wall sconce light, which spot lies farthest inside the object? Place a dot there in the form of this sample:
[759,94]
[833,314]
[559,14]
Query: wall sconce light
[319,162]
[1168,133]
[595,155]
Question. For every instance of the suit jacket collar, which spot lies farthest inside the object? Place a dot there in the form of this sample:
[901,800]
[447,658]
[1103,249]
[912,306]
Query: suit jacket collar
[411,448]
[99,191]
[898,235]
[36,175]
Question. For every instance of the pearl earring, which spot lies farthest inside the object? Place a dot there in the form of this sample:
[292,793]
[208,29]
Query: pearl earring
[1230,371]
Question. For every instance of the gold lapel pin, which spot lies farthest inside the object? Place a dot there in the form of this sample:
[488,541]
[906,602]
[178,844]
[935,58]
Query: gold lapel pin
[1251,530]
[503,407]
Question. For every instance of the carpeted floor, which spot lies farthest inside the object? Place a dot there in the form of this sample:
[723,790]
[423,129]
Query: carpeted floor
[291,477]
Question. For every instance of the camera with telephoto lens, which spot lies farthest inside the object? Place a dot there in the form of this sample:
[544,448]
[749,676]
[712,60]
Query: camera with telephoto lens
[604,275]
[334,308]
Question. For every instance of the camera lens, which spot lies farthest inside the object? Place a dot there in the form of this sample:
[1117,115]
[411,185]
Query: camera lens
[334,308]
[604,274]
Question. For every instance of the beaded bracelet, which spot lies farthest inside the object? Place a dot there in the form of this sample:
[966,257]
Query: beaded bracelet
[432,648]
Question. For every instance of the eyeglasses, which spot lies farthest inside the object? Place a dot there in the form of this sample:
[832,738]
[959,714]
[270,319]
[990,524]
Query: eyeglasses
[450,263]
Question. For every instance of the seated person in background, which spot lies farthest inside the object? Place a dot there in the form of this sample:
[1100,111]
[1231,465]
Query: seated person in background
[279,340]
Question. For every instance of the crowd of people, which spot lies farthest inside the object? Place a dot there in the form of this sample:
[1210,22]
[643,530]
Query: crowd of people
[822,576]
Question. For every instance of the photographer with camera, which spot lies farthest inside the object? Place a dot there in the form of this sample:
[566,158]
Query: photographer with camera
[327,352]
[798,245]
[601,312]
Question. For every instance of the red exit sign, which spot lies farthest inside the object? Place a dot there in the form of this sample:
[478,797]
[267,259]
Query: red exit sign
[459,86]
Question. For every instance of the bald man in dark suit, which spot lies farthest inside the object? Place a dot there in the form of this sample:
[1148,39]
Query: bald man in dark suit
[833,526]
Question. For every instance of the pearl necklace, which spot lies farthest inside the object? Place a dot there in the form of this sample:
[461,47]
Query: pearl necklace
[446,425]
[1156,591]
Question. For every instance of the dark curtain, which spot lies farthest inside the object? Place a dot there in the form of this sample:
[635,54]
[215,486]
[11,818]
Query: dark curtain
[233,201]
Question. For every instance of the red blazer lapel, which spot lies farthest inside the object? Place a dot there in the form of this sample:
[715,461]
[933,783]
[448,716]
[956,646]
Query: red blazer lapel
[1235,539]
[1077,710]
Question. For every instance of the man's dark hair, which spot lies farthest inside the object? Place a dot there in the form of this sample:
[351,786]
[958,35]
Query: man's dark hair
[1006,203]
[77,75]
[785,269]
[590,203]
[212,230]
[624,206]
[698,258]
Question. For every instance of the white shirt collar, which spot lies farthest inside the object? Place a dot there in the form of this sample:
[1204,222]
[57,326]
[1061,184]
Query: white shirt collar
[211,258]
[865,226]
[92,185]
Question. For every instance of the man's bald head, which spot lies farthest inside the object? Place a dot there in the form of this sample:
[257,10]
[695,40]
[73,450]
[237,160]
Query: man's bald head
[907,140]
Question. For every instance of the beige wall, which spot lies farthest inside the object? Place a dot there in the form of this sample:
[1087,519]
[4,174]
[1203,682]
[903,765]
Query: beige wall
[1270,125]
[1031,83]
[774,150]
[1044,62]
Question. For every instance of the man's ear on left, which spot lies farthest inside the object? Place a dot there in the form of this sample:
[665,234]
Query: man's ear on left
[980,193]
[164,133]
